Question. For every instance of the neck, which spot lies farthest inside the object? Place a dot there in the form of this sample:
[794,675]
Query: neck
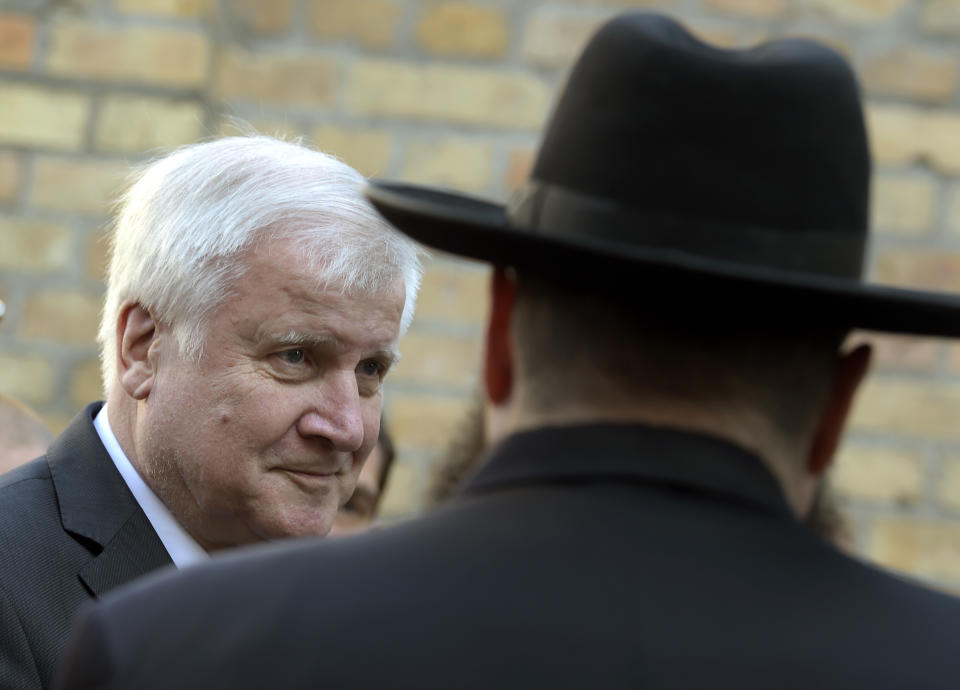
[743,427]
[122,419]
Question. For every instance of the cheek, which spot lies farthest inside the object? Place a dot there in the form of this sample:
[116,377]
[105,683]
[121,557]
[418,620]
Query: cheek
[371,425]
[257,413]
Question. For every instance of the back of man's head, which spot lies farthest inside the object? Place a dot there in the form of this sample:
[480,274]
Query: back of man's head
[185,224]
[23,436]
[583,356]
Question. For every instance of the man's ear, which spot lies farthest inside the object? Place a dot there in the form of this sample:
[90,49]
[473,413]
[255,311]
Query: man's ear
[136,332]
[851,369]
[498,358]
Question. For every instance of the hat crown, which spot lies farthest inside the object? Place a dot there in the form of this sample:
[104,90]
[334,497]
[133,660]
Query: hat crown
[723,184]
[657,122]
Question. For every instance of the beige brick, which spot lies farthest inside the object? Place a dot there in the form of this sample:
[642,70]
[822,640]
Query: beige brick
[56,422]
[134,123]
[455,28]
[97,256]
[464,95]
[924,409]
[453,294]
[913,72]
[902,134]
[168,57]
[34,245]
[263,16]
[954,356]
[932,270]
[370,22]
[17,39]
[74,184]
[903,204]
[30,379]
[426,422]
[626,3]
[896,133]
[953,208]
[941,139]
[926,548]
[431,359]
[175,9]
[878,475]
[553,38]
[44,118]
[753,8]
[902,353]
[948,490]
[941,17]
[278,127]
[403,495]
[720,34]
[63,317]
[10,175]
[458,163]
[288,78]
[367,150]
[85,383]
[859,11]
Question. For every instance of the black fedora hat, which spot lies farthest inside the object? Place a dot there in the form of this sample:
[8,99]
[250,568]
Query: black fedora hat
[727,183]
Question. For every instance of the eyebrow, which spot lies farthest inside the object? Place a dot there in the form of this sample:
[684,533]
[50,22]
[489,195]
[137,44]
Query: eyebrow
[389,356]
[307,339]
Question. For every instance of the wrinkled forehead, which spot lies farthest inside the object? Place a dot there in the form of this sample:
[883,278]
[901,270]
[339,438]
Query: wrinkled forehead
[353,261]
[280,277]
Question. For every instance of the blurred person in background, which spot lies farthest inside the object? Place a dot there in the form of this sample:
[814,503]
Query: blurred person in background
[23,435]
[360,511]
[253,308]
[462,457]
[671,292]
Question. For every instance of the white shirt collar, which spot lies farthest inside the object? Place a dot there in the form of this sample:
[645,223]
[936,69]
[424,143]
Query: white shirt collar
[181,546]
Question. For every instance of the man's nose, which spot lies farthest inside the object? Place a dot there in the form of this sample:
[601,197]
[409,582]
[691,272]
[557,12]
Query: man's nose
[337,415]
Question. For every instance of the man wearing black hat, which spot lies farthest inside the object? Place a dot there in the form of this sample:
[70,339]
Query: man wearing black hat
[671,294]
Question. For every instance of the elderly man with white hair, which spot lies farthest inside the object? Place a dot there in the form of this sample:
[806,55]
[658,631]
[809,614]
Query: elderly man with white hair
[253,307]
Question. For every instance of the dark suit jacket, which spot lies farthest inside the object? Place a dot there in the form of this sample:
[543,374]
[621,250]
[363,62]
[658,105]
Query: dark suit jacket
[593,557]
[70,531]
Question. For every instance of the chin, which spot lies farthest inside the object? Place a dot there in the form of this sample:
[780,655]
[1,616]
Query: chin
[304,526]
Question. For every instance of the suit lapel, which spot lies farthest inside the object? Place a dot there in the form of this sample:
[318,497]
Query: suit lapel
[97,508]
[135,550]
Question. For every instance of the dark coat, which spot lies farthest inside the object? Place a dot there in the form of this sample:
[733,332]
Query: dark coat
[70,531]
[593,557]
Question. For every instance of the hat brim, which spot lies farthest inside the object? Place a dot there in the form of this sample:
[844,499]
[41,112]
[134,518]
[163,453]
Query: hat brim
[661,278]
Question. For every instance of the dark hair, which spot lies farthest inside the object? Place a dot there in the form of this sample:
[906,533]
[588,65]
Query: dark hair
[616,348]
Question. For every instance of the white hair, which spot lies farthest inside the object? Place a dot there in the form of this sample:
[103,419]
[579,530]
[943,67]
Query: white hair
[184,224]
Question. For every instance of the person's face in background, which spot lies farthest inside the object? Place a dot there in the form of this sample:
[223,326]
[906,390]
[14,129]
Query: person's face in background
[357,514]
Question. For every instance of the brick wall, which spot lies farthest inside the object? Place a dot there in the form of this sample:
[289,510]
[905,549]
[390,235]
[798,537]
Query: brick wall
[453,93]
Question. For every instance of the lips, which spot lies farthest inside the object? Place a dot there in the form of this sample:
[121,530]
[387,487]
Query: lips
[309,477]
[308,473]
[311,481]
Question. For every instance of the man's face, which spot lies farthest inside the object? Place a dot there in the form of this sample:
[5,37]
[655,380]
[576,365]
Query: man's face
[358,512]
[265,437]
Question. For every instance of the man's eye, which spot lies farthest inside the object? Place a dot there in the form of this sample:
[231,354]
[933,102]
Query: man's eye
[294,356]
[370,368]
